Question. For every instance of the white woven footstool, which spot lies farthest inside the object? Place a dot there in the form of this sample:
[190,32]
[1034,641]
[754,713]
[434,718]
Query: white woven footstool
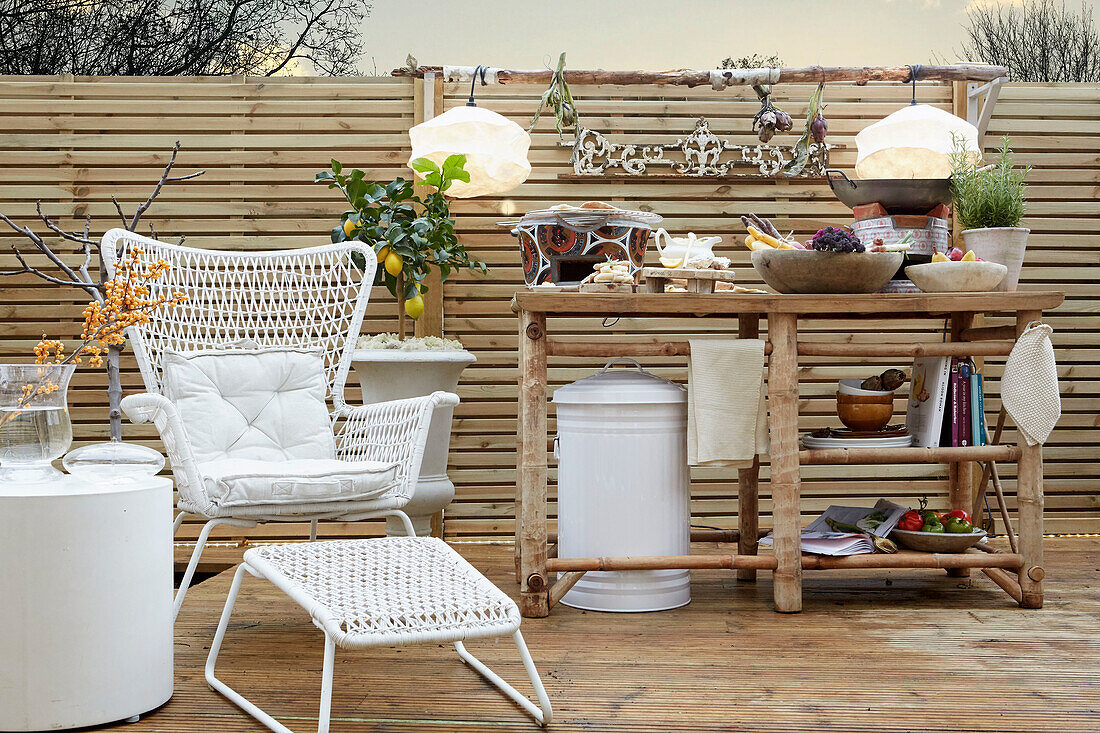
[383,592]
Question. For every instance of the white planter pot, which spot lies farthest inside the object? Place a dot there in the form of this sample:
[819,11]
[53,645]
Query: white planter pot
[1005,245]
[389,374]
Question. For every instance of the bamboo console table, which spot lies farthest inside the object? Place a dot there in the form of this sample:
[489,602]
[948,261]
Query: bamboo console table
[1019,573]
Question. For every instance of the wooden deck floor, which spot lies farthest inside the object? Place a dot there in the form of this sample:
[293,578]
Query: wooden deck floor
[873,651]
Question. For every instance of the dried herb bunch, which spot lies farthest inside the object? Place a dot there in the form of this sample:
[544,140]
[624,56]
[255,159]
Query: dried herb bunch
[987,196]
[558,98]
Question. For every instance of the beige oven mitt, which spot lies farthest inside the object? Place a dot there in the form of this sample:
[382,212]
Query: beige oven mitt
[1029,387]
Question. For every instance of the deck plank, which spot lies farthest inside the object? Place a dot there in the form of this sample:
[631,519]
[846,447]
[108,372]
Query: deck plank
[877,650]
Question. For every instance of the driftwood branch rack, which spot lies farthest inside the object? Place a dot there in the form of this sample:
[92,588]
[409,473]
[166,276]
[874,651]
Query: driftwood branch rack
[730,77]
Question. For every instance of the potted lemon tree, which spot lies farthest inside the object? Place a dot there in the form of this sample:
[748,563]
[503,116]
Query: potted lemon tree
[411,234]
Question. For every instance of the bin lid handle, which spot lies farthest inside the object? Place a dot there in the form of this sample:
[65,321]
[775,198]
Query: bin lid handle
[622,359]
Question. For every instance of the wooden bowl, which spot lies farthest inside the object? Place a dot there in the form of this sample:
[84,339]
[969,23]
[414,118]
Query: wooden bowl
[865,412]
[937,541]
[956,277]
[809,271]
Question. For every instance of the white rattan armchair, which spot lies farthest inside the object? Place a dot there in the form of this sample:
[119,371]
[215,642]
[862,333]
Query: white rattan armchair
[312,298]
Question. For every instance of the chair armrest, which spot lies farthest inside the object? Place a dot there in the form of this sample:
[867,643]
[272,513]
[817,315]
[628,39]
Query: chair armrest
[159,410]
[390,432]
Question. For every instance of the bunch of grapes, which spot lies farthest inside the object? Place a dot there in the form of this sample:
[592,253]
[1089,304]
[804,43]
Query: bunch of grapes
[835,239]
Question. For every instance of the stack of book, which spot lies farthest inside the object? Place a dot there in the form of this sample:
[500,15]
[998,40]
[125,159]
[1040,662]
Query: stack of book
[946,403]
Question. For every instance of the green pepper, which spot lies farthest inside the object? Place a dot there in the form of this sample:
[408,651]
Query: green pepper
[932,527]
[957,525]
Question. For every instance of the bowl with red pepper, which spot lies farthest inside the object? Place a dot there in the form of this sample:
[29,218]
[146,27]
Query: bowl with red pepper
[927,530]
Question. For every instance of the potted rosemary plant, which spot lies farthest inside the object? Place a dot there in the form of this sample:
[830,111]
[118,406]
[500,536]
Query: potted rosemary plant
[989,201]
[410,234]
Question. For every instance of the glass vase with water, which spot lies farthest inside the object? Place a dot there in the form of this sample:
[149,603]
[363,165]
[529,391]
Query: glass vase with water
[34,420]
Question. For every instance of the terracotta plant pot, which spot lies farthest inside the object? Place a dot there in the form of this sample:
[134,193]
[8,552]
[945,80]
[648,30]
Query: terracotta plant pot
[1005,245]
[865,412]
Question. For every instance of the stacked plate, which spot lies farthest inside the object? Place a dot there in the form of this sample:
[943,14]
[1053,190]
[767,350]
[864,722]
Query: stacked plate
[894,436]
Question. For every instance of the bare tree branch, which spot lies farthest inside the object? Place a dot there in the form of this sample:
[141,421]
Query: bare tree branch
[44,249]
[71,236]
[1037,41]
[122,216]
[89,287]
[179,37]
[164,178]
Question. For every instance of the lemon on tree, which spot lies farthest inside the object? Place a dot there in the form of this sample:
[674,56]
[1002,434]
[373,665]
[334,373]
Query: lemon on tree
[410,232]
[414,306]
[394,263]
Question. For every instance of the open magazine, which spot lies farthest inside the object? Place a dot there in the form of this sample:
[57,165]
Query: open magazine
[835,531]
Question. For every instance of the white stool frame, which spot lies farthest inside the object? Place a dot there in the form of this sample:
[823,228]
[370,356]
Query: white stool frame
[542,713]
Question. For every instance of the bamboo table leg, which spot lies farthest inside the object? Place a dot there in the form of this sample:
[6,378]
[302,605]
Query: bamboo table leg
[961,474]
[1029,498]
[748,479]
[785,482]
[531,481]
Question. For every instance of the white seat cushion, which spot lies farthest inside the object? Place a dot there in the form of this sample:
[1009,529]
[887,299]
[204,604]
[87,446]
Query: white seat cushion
[243,482]
[255,404]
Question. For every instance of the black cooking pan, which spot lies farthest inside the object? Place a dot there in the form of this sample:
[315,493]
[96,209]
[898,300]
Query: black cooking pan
[897,195]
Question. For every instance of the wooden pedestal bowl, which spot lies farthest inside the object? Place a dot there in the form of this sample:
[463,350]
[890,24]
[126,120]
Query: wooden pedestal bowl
[865,412]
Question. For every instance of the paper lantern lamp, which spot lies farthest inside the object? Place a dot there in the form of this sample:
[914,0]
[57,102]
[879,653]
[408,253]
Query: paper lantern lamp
[915,142]
[494,146]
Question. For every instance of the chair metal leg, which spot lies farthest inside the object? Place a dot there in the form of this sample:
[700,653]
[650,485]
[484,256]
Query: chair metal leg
[193,563]
[405,522]
[543,712]
[177,522]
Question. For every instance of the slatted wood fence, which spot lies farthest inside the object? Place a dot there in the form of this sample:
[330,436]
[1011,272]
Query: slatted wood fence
[75,143]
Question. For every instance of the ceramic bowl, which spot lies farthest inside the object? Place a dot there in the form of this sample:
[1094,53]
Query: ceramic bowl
[956,277]
[809,271]
[865,412]
[851,386]
[936,541]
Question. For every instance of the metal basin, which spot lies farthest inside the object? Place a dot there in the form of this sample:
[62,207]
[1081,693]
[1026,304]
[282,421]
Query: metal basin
[897,195]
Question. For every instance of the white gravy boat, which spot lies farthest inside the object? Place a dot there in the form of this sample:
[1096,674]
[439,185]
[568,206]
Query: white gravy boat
[684,248]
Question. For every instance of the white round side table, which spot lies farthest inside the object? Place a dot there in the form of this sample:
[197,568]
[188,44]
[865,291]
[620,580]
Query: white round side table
[86,601]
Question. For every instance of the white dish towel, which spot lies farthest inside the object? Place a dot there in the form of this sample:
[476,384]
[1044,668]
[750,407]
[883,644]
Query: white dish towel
[1029,387]
[727,416]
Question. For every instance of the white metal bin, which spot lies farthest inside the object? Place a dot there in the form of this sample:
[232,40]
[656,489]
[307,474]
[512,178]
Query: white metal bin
[623,485]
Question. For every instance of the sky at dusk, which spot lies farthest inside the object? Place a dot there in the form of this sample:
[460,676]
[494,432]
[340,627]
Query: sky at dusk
[664,34]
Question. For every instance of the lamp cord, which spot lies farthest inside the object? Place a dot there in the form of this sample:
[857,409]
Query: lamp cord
[478,70]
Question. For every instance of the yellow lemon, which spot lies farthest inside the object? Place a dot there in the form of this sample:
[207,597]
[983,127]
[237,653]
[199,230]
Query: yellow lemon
[970,256]
[394,263]
[671,263]
[414,306]
[940,257]
[381,254]
[349,227]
